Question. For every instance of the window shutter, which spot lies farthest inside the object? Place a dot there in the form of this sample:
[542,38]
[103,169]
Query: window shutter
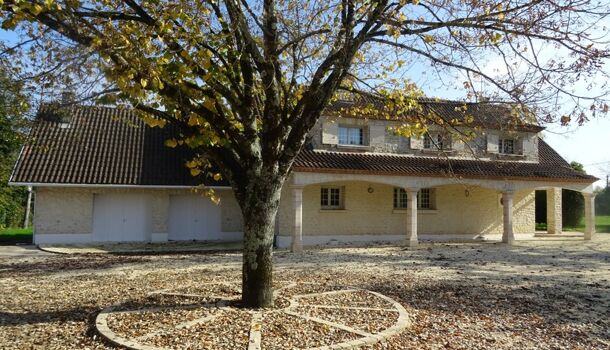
[330,133]
[457,145]
[377,134]
[529,147]
[416,142]
[492,143]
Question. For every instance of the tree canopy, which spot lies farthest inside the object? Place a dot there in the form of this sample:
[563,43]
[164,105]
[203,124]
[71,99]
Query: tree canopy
[12,127]
[245,81]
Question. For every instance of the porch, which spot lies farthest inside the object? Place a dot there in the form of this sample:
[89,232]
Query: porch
[333,208]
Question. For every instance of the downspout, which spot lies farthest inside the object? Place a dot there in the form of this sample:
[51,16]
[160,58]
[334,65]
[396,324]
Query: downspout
[26,222]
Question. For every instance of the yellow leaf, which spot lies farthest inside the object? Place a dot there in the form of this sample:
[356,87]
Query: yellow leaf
[36,9]
[195,172]
[193,120]
[428,38]
[191,164]
[209,104]
[143,82]
[217,177]
[214,199]
[172,143]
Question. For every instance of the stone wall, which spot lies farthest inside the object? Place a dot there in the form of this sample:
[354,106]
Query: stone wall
[380,139]
[372,213]
[69,210]
[66,211]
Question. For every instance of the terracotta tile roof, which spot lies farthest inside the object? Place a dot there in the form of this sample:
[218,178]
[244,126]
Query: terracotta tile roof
[110,146]
[550,167]
[489,115]
[101,146]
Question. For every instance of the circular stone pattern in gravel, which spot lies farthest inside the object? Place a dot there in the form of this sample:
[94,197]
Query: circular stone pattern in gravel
[207,316]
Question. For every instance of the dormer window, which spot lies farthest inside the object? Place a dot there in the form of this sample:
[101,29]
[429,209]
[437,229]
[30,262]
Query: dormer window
[506,146]
[434,142]
[351,136]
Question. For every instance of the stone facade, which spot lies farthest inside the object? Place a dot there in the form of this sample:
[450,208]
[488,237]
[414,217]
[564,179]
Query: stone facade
[380,139]
[368,213]
[461,207]
[69,210]
[64,211]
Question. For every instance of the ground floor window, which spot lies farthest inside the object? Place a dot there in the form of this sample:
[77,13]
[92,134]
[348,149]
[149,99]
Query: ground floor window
[400,198]
[331,198]
[425,198]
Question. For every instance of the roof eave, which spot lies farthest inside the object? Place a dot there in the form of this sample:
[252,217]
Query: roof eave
[589,180]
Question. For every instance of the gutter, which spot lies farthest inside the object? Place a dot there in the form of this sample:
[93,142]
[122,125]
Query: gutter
[45,184]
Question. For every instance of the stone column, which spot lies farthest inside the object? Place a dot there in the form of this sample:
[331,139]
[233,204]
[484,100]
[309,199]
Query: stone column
[507,206]
[589,215]
[411,239]
[297,233]
[553,211]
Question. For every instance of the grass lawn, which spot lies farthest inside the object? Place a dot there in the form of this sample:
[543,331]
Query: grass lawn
[15,235]
[602,224]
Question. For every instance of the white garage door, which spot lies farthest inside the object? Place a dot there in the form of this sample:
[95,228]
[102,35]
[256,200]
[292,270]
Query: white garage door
[121,218]
[193,217]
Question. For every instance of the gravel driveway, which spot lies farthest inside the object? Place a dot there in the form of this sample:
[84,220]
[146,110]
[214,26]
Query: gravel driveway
[543,294]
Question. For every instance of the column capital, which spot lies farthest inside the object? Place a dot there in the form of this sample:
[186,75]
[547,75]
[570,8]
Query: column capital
[411,189]
[589,195]
[296,187]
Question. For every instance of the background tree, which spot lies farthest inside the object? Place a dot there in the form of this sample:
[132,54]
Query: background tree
[572,203]
[602,202]
[12,126]
[245,81]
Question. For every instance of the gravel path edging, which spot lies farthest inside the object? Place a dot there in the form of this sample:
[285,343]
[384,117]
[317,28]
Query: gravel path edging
[401,324]
[257,323]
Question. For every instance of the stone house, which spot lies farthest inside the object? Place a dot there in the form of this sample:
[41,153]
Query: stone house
[100,174]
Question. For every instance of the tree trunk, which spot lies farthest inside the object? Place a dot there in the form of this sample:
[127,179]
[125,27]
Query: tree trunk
[259,206]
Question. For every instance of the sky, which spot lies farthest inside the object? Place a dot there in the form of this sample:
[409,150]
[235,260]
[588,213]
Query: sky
[588,144]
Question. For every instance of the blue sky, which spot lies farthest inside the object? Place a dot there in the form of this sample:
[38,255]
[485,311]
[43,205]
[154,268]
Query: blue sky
[588,144]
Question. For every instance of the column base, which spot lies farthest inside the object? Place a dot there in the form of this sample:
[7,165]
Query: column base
[410,243]
[296,248]
[508,240]
[588,236]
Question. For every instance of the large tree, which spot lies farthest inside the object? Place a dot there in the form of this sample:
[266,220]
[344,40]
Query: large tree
[12,126]
[245,80]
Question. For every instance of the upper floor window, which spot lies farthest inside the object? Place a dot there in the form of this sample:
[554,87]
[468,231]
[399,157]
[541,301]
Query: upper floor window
[331,198]
[506,146]
[434,141]
[351,136]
